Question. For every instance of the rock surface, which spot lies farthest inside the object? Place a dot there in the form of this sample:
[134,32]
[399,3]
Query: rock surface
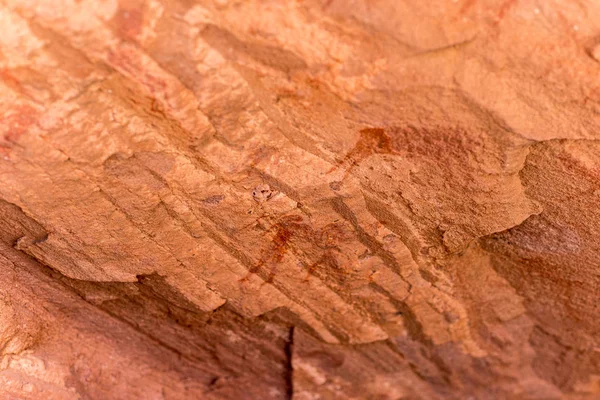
[334,199]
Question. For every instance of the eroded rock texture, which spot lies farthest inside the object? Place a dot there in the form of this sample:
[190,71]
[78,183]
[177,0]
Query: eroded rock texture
[272,199]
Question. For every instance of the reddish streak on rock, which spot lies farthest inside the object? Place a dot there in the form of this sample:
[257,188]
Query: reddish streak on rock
[327,239]
[285,230]
[504,9]
[18,121]
[327,4]
[371,141]
[279,243]
[126,60]
[330,236]
[130,62]
[129,22]
[313,268]
[155,85]
[9,79]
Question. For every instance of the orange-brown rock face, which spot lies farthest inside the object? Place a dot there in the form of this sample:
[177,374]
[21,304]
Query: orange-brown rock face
[341,199]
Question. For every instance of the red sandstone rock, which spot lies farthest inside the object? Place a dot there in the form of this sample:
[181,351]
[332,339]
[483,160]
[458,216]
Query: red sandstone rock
[355,199]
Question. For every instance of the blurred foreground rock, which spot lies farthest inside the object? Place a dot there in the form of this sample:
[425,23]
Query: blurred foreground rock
[335,199]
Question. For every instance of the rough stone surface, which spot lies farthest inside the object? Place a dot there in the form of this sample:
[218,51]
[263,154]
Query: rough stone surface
[274,199]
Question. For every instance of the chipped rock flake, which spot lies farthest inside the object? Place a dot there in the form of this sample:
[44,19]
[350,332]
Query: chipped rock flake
[262,193]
